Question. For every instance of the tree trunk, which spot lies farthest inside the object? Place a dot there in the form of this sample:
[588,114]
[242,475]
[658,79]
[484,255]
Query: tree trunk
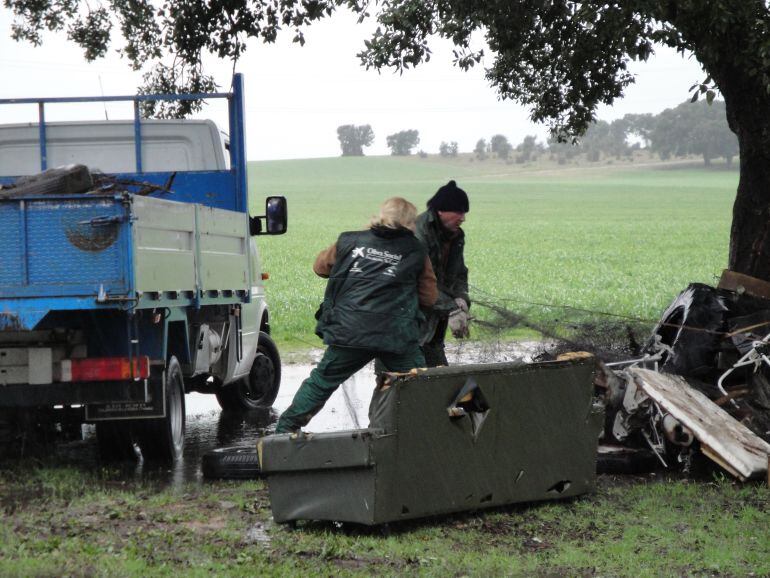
[732,54]
[749,118]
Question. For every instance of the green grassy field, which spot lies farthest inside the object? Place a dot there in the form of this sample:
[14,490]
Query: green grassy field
[63,522]
[622,239]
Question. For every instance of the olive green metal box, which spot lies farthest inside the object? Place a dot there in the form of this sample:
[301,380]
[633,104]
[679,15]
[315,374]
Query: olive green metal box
[445,440]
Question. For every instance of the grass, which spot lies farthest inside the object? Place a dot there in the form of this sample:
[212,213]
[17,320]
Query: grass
[620,239]
[67,522]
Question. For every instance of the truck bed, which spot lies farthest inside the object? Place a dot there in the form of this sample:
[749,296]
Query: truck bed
[93,251]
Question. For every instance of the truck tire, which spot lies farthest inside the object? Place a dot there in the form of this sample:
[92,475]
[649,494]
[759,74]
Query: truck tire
[231,463]
[163,438]
[260,388]
[114,440]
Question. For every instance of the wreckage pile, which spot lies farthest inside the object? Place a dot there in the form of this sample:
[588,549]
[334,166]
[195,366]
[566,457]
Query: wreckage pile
[702,385]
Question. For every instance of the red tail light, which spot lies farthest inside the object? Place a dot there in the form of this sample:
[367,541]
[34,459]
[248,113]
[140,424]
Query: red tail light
[105,369]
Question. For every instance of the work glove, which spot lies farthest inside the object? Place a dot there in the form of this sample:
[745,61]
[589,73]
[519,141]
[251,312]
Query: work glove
[458,319]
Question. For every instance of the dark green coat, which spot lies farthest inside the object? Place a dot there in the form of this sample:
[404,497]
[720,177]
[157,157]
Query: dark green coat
[451,273]
[371,299]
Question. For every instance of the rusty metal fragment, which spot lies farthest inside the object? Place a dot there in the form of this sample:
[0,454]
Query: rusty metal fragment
[445,440]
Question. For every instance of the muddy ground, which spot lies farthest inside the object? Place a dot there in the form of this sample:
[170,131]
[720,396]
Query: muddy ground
[208,427]
[61,522]
[66,513]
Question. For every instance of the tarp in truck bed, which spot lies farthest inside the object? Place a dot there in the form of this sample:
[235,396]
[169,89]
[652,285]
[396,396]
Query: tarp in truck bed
[445,440]
[62,252]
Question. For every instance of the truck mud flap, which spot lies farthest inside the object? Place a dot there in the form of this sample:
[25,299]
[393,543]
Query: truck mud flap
[153,405]
[445,440]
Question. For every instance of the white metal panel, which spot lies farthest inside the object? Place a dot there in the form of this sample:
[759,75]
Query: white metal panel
[40,365]
[26,365]
[164,245]
[108,146]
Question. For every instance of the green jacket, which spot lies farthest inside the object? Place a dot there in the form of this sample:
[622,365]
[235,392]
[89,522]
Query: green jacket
[451,272]
[371,298]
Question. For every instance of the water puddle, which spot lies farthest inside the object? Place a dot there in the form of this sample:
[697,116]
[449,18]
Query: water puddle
[208,427]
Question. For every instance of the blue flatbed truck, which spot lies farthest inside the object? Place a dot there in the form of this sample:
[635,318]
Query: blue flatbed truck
[118,299]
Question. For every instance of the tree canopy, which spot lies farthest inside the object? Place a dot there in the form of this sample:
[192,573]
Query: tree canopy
[560,58]
[500,146]
[353,138]
[448,149]
[694,128]
[402,142]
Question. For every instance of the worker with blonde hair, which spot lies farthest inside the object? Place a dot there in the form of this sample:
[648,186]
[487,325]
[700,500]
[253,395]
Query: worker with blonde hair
[394,213]
[379,278]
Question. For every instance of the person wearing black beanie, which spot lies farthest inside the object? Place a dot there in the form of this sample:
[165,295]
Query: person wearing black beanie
[450,198]
[439,228]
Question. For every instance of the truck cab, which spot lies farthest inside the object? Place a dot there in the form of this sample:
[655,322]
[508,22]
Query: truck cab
[131,275]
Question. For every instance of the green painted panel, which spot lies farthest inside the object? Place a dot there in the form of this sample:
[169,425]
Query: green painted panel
[450,439]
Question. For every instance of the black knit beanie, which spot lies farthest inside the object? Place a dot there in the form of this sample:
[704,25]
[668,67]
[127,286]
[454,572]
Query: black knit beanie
[450,197]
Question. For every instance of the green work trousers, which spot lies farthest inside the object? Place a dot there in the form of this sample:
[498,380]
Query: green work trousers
[337,365]
[433,349]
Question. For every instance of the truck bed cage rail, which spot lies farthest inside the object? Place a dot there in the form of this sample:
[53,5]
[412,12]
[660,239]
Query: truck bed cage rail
[235,115]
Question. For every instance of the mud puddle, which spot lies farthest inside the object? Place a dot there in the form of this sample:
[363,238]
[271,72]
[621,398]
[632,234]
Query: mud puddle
[208,427]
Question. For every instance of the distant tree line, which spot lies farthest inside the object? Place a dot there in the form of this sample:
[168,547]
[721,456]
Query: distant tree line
[354,138]
[500,147]
[692,128]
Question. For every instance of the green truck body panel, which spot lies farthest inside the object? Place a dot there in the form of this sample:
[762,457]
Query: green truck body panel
[531,434]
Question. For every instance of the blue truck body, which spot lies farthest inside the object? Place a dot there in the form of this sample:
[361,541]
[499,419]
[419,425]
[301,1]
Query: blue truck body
[151,271]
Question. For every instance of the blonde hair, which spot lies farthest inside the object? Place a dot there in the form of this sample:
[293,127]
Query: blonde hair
[394,213]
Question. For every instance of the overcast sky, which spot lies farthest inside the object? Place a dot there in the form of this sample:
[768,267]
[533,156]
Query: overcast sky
[298,96]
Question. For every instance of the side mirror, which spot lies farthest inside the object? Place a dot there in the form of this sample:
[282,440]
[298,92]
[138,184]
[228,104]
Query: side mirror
[275,218]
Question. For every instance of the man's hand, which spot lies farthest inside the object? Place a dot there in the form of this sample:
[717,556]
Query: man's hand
[458,319]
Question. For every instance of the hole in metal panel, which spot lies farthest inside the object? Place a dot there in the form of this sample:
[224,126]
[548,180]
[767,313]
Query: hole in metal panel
[560,486]
[471,404]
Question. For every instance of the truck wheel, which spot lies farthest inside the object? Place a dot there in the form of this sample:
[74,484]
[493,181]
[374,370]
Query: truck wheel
[260,388]
[231,463]
[114,440]
[163,438]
